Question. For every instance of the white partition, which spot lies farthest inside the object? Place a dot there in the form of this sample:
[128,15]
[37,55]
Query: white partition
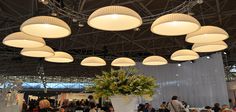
[199,84]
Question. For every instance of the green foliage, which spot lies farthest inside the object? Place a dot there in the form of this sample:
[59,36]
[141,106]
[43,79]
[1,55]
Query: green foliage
[123,82]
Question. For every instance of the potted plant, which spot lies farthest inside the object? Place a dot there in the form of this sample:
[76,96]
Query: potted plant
[123,88]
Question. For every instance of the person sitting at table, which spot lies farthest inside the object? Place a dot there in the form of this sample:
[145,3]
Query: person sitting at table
[163,107]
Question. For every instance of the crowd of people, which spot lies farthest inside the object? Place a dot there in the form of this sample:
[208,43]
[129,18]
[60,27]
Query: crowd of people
[177,106]
[89,105]
[83,105]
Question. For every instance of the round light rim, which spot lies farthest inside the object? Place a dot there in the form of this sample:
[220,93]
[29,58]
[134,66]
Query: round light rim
[184,55]
[52,21]
[214,45]
[126,64]
[44,49]
[99,61]
[171,18]
[60,57]
[13,40]
[97,14]
[203,32]
[158,61]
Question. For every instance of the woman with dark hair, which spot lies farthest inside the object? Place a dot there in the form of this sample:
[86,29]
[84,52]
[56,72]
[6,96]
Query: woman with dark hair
[216,107]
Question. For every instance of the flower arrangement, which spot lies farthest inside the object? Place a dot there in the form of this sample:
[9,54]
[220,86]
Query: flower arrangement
[123,82]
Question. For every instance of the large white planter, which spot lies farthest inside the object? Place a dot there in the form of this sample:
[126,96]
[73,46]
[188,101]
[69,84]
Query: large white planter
[124,103]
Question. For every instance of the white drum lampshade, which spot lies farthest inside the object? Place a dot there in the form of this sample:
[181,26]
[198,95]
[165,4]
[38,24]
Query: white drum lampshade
[60,57]
[93,61]
[38,52]
[175,24]
[46,26]
[154,60]
[207,34]
[114,18]
[123,62]
[184,55]
[22,40]
[209,47]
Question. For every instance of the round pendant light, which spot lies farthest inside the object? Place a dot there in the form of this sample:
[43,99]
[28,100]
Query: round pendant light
[39,52]
[114,18]
[154,60]
[46,26]
[60,57]
[123,61]
[209,47]
[207,34]
[175,24]
[93,61]
[22,40]
[184,55]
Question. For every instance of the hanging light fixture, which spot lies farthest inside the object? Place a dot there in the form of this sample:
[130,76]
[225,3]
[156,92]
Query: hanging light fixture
[22,40]
[207,34]
[175,24]
[93,61]
[60,57]
[39,52]
[114,18]
[46,26]
[209,47]
[184,55]
[123,61]
[154,60]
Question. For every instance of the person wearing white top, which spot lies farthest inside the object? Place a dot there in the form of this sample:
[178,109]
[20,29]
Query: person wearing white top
[175,106]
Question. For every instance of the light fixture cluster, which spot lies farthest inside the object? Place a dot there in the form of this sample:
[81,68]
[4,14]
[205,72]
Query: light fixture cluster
[205,38]
[117,18]
[208,39]
[31,39]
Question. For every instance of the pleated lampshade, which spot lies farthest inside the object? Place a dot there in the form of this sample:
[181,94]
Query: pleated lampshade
[209,47]
[184,55]
[114,18]
[38,52]
[22,40]
[175,24]
[46,27]
[60,57]
[207,34]
[123,62]
[93,61]
[154,60]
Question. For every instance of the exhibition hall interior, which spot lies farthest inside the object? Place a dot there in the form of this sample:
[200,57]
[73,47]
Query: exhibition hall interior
[118,56]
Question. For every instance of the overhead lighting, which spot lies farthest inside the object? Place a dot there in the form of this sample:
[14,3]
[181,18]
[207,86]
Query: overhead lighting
[208,57]
[114,18]
[93,61]
[60,57]
[175,24]
[209,47]
[22,40]
[39,52]
[207,34]
[155,60]
[45,2]
[123,62]
[184,55]
[179,65]
[46,26]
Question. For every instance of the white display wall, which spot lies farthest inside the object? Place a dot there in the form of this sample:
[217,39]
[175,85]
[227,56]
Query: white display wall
[199,84]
